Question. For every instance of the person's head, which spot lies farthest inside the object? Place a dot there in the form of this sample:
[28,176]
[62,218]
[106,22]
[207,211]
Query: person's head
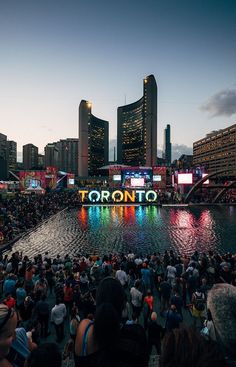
[186,347]
[149,293]
[221,302]
[8,323]
[154,316]
[47,355]
[110,301]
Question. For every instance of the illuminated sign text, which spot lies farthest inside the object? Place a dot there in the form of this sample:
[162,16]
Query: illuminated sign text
[118,196]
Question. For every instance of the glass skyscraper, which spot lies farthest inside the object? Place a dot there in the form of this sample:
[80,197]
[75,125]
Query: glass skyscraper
[137,128]
[93,141]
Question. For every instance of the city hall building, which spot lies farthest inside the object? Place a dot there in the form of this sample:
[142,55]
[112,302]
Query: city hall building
[93,141]
[137,128]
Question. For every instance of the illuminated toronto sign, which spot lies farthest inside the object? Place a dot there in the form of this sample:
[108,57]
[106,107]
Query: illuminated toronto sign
[118,196]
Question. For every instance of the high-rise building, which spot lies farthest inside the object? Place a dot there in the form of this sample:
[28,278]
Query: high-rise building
[217,151]
[51,155]
[137,128]
[41,164]
[93,141]
[3,157]
[30,156]
[167,145]
[12,155]
[68,155]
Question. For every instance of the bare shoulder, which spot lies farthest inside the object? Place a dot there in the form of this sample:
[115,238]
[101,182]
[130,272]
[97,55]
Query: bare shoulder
[79,335]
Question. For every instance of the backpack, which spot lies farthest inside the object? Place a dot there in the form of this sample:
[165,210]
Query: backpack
[199,303]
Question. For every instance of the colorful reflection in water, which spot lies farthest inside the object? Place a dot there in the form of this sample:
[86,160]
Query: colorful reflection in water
[142,229]
[152,228]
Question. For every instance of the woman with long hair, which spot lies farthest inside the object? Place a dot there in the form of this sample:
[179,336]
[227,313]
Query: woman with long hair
[104,341]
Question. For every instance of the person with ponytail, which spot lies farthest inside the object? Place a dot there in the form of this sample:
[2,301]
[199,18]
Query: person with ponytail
[104,341]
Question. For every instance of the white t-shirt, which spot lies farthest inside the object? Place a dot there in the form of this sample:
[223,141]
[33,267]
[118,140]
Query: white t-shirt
[136,297]
[171,271]
[121,276]
[58,313]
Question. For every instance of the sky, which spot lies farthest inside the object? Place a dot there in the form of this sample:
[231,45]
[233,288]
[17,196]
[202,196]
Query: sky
[54,53]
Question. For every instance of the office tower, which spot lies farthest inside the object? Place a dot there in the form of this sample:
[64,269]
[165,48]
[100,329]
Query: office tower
[3,157]
[137,128]
[41,163]
[167,145]
[30,156]
[12,155]
[51,155]
[93,141]
[217,151]
[68,155]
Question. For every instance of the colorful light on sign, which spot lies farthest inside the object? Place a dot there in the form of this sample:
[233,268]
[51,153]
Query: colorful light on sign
[118,196]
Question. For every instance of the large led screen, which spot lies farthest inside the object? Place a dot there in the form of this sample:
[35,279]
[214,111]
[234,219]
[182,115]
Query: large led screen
[157,178]
[137,182]
[185,178]
[116,177]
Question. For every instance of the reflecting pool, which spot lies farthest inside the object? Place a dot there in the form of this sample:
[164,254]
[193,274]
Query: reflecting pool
[141,229]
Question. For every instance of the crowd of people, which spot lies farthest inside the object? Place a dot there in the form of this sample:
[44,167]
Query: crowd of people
[118,309]
[23,212]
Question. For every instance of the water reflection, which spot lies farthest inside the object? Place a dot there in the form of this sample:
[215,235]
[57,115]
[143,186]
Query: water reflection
[141,229]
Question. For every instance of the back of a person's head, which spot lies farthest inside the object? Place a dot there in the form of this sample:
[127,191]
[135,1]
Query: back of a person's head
[221,302]
[46,355]
[186,347]
[110,301]
[110,291]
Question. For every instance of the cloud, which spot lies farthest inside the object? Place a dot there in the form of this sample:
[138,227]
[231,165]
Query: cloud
[179,149]
[221,104]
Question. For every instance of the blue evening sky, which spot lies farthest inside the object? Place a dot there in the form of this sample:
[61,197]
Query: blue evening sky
[53,53]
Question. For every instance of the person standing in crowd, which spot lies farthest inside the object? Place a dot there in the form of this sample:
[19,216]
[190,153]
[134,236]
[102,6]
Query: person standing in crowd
[58,315]
[20,295]
[103,342]
[9,286]
[185,347]
[171,273]
[165,292]
[42,314]
[198,307]
[148,307]
[8,323]
[146,277]
[122,276]
[136,298]
[68,296]
[221,302]
[173,319]
[177,301]
[155,334]
[74,322]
